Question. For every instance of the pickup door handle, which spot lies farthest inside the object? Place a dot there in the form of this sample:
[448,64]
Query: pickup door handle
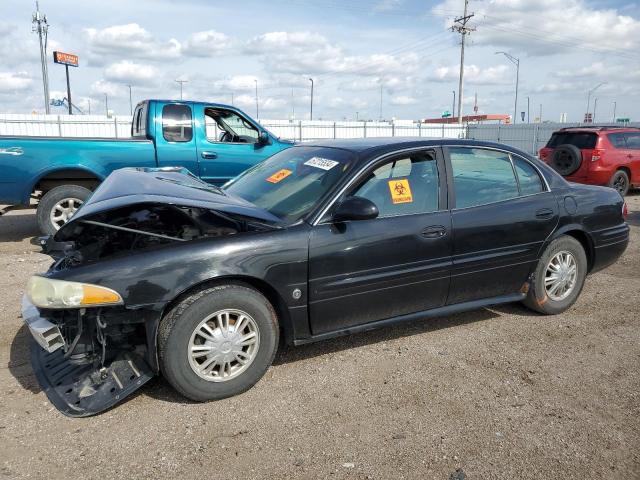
[544,213]
[209,155]
[434,231]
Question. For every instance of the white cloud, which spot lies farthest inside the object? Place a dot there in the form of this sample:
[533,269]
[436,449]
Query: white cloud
[131,73]
[548,27]
[387,5]
[102,87]
[403,100]
[14,82]
[237,83]
[206,44]
[311,53]
[131,40]
[473,74]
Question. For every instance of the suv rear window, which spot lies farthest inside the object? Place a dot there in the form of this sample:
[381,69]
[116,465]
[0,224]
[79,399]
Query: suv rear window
[577,139]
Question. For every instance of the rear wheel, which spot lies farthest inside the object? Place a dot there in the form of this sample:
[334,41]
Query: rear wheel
[559,277]
[620,181]
[218,342]
[58,205]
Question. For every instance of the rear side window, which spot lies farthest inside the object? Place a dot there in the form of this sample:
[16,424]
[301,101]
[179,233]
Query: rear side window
[581,140]
[482,176]
[633,140]
[176,123]
[528,178]
[617,140]
[139,122]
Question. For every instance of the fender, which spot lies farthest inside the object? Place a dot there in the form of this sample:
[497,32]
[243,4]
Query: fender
[43,173]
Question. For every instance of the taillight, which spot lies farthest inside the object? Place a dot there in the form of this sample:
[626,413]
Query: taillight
[597,154]
[543,154]
[625,210]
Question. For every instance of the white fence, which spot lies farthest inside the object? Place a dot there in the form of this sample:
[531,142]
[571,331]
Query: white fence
[527,137]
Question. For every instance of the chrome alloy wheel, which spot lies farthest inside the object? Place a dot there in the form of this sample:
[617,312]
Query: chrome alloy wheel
[223,345]
[561,276]
[63,211]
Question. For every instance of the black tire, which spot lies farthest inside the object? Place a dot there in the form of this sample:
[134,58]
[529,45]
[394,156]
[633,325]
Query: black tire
[537,298]
[566,159]
[620,182]
[50,200]
[176,328]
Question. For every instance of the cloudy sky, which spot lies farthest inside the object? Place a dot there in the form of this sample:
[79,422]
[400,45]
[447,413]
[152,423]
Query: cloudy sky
[353,49]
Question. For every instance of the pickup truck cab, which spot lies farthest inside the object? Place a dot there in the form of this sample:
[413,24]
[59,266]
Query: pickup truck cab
[214,142]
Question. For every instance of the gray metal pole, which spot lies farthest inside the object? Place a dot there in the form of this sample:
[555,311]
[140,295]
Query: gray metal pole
[106,105]
[130,102]
[595,106]
[311,111]
[613,119]
[42,27]
[528,120]
[257,108]
[453,105]
[66,68]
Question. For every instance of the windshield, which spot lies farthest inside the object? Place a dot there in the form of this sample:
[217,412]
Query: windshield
[291,183]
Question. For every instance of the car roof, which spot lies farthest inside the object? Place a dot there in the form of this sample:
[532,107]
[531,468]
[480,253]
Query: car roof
[380,145]
[600,128]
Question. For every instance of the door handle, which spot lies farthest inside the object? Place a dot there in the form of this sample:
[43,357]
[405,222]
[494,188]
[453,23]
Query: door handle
[434,231]
[210,155]
[544,213]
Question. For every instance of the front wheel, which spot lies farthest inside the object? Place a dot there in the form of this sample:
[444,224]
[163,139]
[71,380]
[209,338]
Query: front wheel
[559,277]
[218,342]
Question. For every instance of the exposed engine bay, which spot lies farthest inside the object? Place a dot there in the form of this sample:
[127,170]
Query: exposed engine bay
[140,227]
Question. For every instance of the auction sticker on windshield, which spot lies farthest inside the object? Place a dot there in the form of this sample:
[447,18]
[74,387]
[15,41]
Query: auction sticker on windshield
[400,191]
[323,163]
[279,175]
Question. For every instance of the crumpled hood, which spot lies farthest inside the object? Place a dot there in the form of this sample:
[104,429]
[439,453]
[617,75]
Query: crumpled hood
[173,186]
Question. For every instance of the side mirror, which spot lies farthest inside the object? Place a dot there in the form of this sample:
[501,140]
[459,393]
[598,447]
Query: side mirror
[355,208]
[263,138]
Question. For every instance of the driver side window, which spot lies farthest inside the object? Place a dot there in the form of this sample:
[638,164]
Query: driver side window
[225,126]
[403,186]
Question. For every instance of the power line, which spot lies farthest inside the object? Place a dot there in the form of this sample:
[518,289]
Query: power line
[41,26]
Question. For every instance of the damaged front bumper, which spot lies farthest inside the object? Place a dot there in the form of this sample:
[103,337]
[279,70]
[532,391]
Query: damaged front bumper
[80,389]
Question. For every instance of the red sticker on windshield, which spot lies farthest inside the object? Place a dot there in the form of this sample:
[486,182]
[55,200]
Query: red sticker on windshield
[279,175]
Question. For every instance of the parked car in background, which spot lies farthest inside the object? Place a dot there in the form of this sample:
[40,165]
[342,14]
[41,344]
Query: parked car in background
[596,155]
[214,142]
[162,273]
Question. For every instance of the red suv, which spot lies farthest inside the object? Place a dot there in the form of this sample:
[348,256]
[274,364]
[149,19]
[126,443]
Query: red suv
[596,155]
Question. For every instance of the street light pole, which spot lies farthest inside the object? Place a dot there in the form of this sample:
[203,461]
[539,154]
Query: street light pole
[613,119]
[516,62]
[453,105]
[528,119]
[181,82]
[257,108]
[589,98]
[311,111]
[106,105]
[130,102]
[595,106]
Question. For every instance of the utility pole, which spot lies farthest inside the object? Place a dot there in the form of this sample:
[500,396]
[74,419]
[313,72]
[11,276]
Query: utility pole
[589,98]
[41,27]
[311,112]
[232,100]
[181,82]
[89,101]
[460,26]
[595,106]
[453,105]
[613,119]
[528,121]
[380,114]
[293,106]
[257,110]
[131,103]
[540,113]
[106,105]
[516,62]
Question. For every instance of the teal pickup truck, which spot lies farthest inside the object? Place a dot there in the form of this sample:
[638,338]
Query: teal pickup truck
[215,142]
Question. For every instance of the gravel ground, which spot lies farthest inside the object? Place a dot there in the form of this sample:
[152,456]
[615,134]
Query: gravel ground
[493,393]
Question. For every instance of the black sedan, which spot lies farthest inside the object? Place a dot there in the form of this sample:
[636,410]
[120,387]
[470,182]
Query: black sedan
[160,273]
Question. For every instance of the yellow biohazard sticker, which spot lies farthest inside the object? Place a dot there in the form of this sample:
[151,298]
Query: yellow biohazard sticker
[279,175]
[400,191]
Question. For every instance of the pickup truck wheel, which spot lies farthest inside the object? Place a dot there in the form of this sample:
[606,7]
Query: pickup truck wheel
[58,205]
[559,277]
[620,181]
[218,342]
